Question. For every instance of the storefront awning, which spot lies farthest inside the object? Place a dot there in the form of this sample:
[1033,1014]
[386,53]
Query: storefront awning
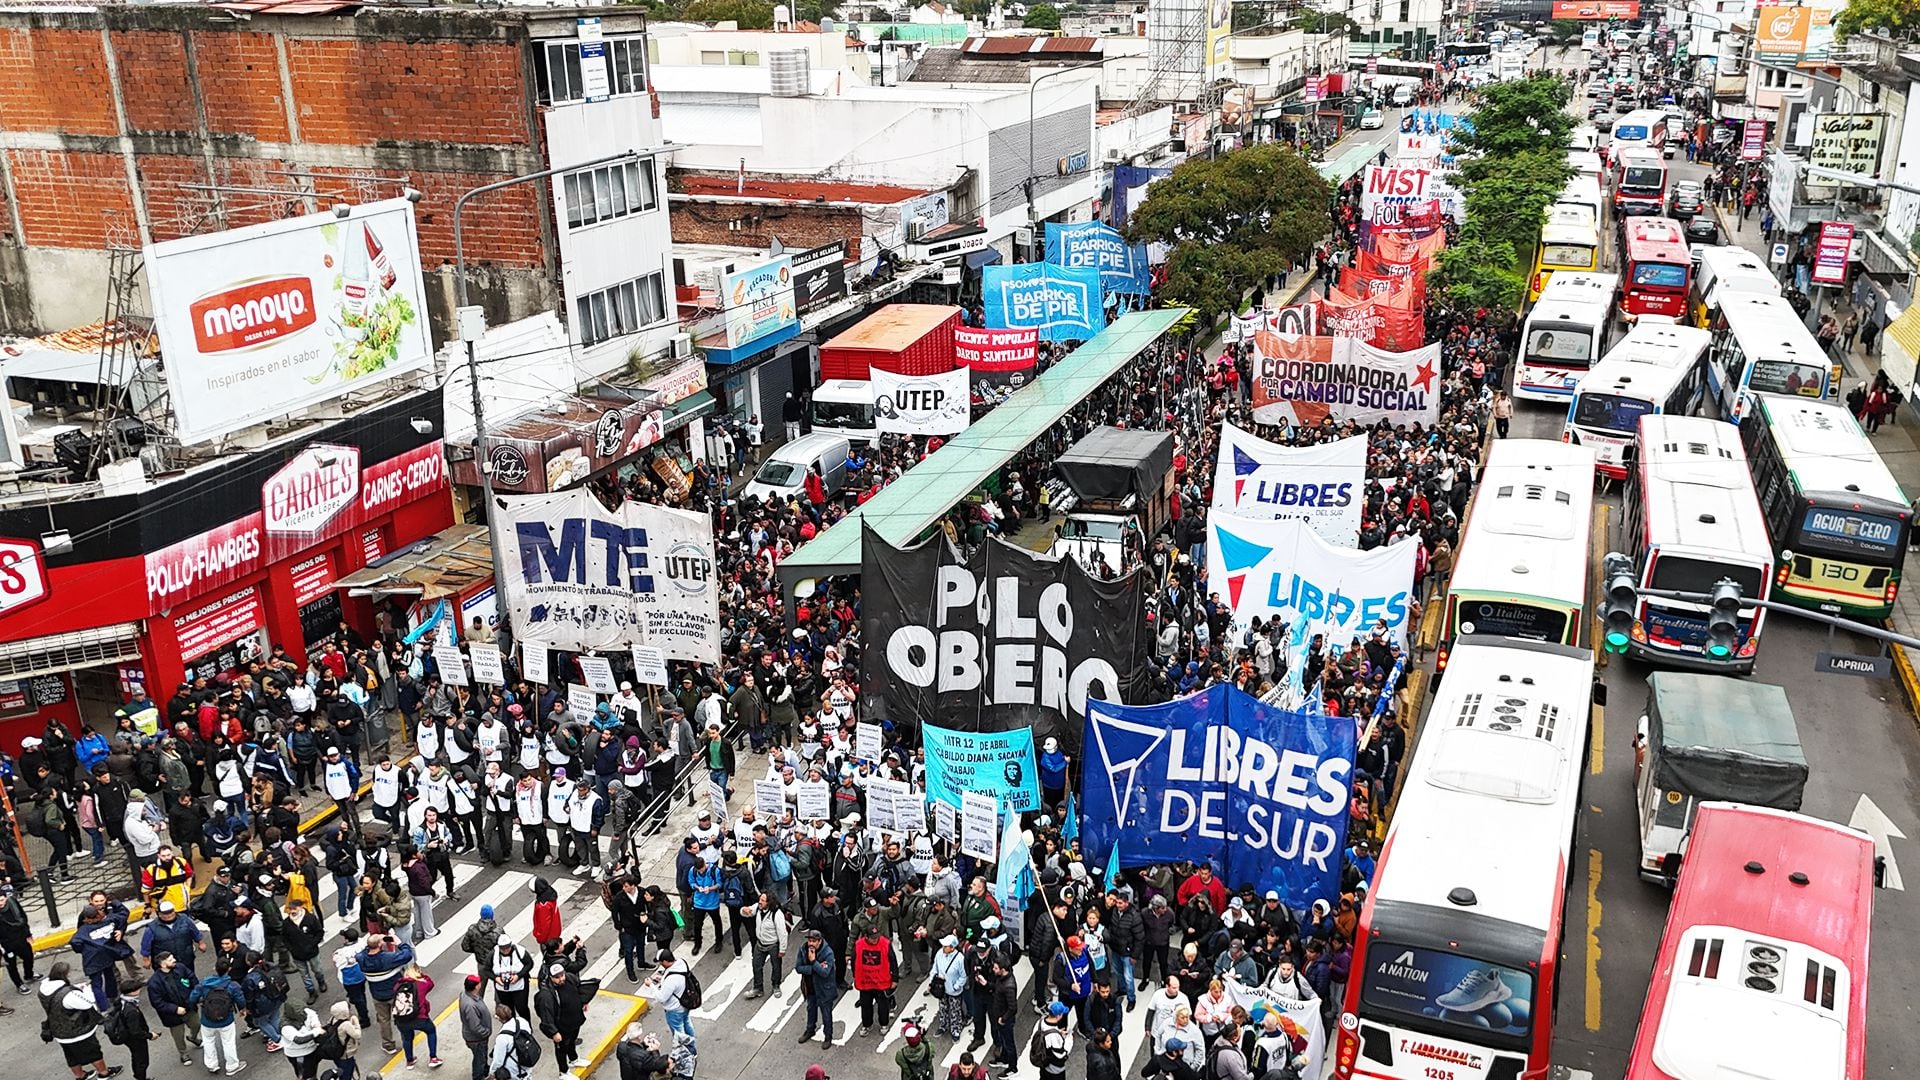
[559,445]
[53,653]
[978,259]
[445,564]
[682,413]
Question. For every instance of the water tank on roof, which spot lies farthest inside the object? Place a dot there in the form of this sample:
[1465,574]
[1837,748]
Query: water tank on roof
[782,17]
[789,69]
[827,24]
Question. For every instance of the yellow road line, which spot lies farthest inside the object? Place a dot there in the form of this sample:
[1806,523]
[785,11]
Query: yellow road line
[631,1009]
[1593,939]
[1596,757]
[395,1062]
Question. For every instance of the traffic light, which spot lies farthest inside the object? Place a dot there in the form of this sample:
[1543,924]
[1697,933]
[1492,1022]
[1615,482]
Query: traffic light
[1621,607]
[1723,622]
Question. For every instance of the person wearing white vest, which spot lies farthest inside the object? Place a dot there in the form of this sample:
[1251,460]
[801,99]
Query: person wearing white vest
[433,788]
[490,738]
[496,803]
[341,781]
[530,809]
[586,811]
[426,738]
[627,704]
[465,817]
[389,781]
[456,742]
[559,811]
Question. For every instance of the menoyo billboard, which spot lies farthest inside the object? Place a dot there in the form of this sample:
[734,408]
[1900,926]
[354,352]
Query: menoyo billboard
[260,322]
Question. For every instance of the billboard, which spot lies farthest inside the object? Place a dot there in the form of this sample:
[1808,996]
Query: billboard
[1795,35]
[1849,142]
[1596,9]
[758,300]
[820,275]
[1831,252]
[260,322]
[1219,22]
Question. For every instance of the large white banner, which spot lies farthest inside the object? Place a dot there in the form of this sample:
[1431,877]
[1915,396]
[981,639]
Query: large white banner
[1323,485]
[1306,380]
[582,577]
[921,404]
[1399,184]
[1279,569]
[263,321]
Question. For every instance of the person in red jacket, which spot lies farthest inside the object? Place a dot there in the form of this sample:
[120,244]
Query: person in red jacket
[875,970]
[816,488]
[1203,881]
[546,912]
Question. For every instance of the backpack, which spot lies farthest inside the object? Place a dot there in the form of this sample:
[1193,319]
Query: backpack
[121,1025]
[732,892]
[274,984]
[331,1046]
[217,1005]
[691,996]
[779,865]
[526,1052]
[406,1004]
[1037,1055]
[34,819]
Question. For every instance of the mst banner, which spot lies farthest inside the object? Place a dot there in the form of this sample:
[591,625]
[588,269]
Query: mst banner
[999,361]
[920,404]
[582,577]
[1323,485]
[1062,303]
[1003,641]
[996,763]
[1280,569]
[1259,792]
[1309,379]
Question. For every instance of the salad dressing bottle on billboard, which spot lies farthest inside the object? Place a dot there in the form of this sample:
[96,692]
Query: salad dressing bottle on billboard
[382,266]
[356,287]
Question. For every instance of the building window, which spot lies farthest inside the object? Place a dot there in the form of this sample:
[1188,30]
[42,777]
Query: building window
[626,308]
[611,191]
[560,79]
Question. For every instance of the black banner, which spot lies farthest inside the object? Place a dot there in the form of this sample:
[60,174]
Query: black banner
[820,275]
[1004,640]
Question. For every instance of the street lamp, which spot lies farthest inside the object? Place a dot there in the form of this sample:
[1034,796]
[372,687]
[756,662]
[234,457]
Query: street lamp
[1033,172]
[472,323]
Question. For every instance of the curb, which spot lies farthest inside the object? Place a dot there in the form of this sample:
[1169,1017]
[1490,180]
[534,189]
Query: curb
[1903,670]
[636,1007]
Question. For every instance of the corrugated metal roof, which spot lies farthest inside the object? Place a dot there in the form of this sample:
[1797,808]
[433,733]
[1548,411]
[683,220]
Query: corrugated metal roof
[796,190]
[894,327]
[1032,46]
[954,66]
[290,7]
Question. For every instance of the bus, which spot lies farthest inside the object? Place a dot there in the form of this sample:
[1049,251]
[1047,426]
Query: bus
[1642,182]
[1726,271]
[1655,268]
[1762,970]
[1838,520]
[1656,370]
[1691,519]
[1457,951]
[1564,333]
[1644,129]
[1563,246]
[1764,348]
[1521,567]
[1583,193]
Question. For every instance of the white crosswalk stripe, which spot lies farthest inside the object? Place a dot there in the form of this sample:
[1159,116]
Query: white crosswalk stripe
[520,927]
[453,929]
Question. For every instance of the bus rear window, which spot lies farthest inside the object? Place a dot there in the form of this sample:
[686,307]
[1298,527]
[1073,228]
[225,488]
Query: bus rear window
[1566,342]
[1508,618]
[1851,531]
[1644,177]
[1629,132]
[1610,412]
[1696,575]
[1567,255]
[1787,377]
[1660,275]
[1479,997]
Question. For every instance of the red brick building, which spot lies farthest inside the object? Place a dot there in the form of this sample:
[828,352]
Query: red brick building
[752,211]
[125,124]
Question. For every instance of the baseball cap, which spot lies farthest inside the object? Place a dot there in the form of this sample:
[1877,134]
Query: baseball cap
[1175,1044]
[815,1072]
[1058,1008]
[167,908]
[1273,894]
[991,922]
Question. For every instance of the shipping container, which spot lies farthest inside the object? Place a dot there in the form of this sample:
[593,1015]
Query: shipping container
[906,339]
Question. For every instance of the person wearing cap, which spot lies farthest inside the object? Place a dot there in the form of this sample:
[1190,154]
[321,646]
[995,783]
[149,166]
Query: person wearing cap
[948,983]
[561,1008]
[476,1023]
[1071,974]
[819,972]
[302,929]
[168,877]
[876,970]
[1237,962]
[704,879]
[340,779]
[1274,917]
[174,933]
[1054,1039]
[915,1059]
[170,992]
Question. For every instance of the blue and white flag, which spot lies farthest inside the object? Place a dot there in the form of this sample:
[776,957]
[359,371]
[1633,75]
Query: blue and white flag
[995,763]
[1122,266]
[1259,792]
[1013,878]
[1062,303]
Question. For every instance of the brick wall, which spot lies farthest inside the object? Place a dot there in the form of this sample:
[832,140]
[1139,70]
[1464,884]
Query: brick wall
[356,91]
[245,67]
[55,80]
[153,80]
[69,199]
[798,227]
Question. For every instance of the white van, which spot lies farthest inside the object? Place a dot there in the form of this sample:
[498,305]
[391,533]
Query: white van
[784,473]
[845,407]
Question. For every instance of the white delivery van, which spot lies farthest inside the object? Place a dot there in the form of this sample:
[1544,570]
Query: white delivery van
[784,473]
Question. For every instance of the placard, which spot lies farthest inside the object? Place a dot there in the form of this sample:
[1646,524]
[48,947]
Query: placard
[717,798]
[769,798]
[943,822]
[880,805]
[910,810]
[533,663]
[867,741]
[598,674]
[979,827]
[581,702]
[487,667]
[452,665]
[649,665]
[812,801]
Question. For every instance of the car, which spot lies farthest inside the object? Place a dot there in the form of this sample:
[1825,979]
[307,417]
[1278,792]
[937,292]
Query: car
[1598,112]
[1603,123]
[1686,199]
[1702,230]
[1371,119]
[1623,104]
[1593,90]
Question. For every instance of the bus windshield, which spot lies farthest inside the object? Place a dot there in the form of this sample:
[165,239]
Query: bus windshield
[1643,177]
[1490,1003]
[1564,341]
[1852,532]
[1787,377]
[1610,412]
[1511,618]
[1660,275]
[1682,574]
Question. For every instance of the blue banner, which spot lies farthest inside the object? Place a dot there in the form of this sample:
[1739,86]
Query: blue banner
[1259,792]
[1062,303]
[1123,268]
[996,763]
[1130,184]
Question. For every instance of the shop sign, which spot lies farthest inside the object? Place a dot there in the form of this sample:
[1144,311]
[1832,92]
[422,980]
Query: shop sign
[218,623]
[373,545]
[303,497]
[23,575]
[820,275]
[1848,142]
[1831,253]
[312,579]
[20,697]
[758,301]
[674,386]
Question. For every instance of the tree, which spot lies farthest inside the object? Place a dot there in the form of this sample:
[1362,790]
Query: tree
[1514,117]
[1898,19]
[1564,32]
[749,14]
[1325,22]
[1233,221]
[1042,17]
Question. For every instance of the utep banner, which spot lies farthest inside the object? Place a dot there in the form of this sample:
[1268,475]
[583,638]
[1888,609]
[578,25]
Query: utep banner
[1060,302]
[996,763]
[1306,380]
[582,577]
[920,404]
[1001,641]
[1122,266]
[1259,792]
[1323,485]
[999,362]
[1280,569]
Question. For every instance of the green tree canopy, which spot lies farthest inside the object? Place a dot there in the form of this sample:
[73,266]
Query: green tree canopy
[1565,31]
[1042,17]
[1898,19]
[1233,221]
[1514,117]
[750,14]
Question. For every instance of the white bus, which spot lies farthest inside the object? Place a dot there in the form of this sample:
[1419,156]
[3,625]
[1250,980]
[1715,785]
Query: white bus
[1723,272]
[1765,349]
[1657,369]
[1521,569]
[1692,519]
[1565,333]
[1456,957]
[1584,193]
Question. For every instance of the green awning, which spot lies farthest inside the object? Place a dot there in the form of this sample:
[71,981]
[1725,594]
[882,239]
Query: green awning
[912,504]
[686,411]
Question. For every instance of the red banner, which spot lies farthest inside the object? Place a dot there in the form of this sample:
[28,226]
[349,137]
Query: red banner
[1593,10]
[214,624]
[999,362]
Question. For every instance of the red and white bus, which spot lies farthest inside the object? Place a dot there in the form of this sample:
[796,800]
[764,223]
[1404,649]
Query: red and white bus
[1763,968]
[1656,268]
[1453,973]
[1641,183]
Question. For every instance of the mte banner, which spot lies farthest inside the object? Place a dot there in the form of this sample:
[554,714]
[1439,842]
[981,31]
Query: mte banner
[920,404]
[582,577]
[996,763]
[1280,569]
[1062,303]
[1323,485]
[1309,379]
[1122,266]
[1259,792]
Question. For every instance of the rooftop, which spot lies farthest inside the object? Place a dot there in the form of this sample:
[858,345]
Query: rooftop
[793,190]
[1023,48]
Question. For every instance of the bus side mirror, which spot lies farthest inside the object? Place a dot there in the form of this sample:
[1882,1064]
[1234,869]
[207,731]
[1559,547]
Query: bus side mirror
[1600,693]
[1670,868]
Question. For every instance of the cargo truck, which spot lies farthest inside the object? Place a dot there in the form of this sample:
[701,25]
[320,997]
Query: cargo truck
[1118,481]
[907,339]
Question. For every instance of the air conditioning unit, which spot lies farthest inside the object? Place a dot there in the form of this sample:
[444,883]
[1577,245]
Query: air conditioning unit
[1113,156]
[916,229]
[682,346]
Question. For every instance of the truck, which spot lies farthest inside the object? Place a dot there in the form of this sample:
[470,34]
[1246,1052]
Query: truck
[906,339]
[1118,481]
